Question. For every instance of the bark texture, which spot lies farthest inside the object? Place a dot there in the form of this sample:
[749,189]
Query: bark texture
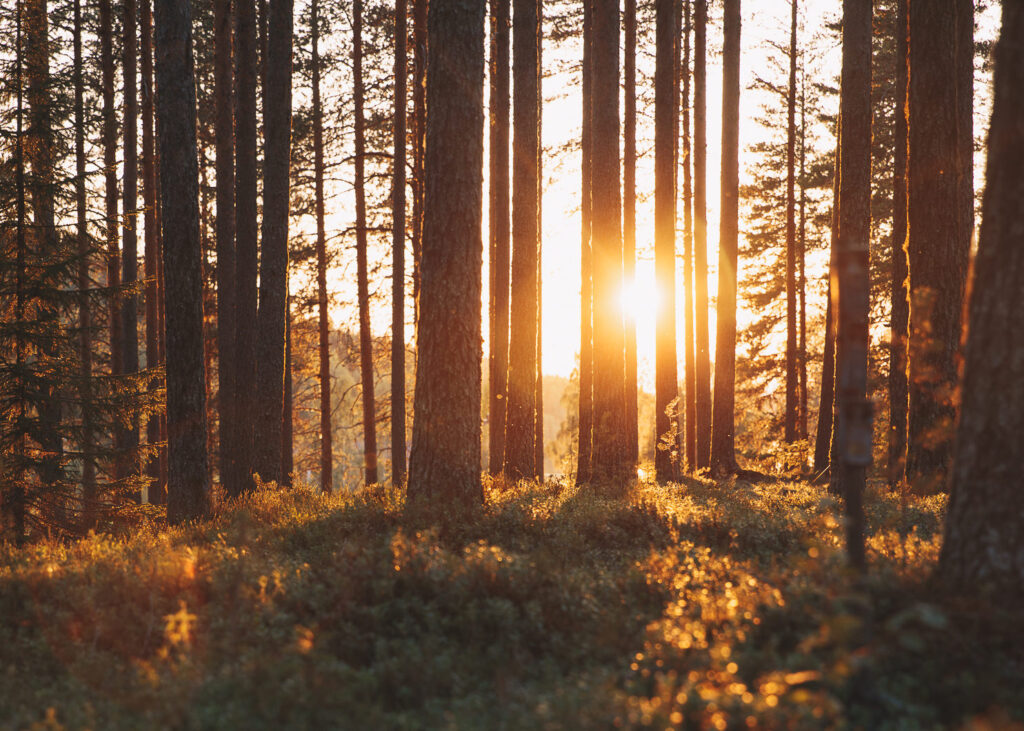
[702,396]
[688,437]
[792,376]
[586,371]
[398,465]
[629,223]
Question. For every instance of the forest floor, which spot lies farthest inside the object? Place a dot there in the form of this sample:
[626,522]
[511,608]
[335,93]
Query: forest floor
[700,605]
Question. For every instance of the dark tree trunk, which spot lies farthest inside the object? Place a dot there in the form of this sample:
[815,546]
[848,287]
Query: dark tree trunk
[801,265]
[499,232]
[109,142]
[792,376]
[940,199]
[665,111]
[273,306]
[850,299]
[288,407]
[538,412]
[522,361]
[398,467]
[246,247]
[700,239]
[362,274]
[688,441]
[130,244]
[629,223]
[188,488]
[225,160]
[723,438]
[419,103]
[444,469]
[983,547]
[324,344]
[826,403]
[586,372]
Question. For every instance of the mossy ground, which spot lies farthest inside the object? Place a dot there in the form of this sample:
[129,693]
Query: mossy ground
[697,605]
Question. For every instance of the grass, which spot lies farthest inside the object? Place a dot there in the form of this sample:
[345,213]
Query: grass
[705,606]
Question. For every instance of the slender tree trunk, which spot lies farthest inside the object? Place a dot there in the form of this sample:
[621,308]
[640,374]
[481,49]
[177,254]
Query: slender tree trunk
[444,468]
[629,223]
[826,402]
[666,376]
[610,456]
[700,239]
[109,142]
[522,362]
[538,412]
[273,305]
[723,438]
[689,408]
[13,503]
[419,102]
[940,200]
[983,547]
[324,345]
[157,487]
[398,467]
[288,409]
[801,267]
[130,253]
[225,194]
[586,372]
[850,299]
[499,232]
[792,376]
[246,247]
[188,488]
[84,282]
[365,335]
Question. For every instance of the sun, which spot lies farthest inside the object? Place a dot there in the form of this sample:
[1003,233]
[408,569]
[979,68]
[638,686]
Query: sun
[638,299]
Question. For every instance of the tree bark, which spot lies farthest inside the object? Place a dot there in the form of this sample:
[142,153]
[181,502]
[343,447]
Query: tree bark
[538,412]
[629,224]
[109,142]
[826,402]
[130,243]
[398,466]
[700,239]
[665,111]
[801,265]
[983,548]
[444,469]
[689,436]
[273,305]
[940,199]
[499,232]
[188,489]
[792,376]
[419,101]
[723,438]
[586,369]
[288,409]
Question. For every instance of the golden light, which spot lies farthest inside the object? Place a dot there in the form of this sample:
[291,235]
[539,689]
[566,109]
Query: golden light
[639,302]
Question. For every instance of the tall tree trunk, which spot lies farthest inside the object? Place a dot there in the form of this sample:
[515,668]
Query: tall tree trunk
[900,309]
[188,488]
[586,372]
[498,232]
[522,362]
[273,306]
[324,321]
[792,376]
[109,142]
[801,266]
[130,244]
[940,200]
[444,468]
[288,407]
[826,401]
[689,408]
[151,243]
[225,161]
[629,224]
[666,376]
[610,456]
[538,412]
[246,246]
[363,286]
[398,467]
[723,438]
[419,104]
[983,547]
[700,239]
[84,281]
[851,296]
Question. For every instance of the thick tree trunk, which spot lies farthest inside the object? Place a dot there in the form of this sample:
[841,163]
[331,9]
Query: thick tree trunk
[398,466]
[499,232]
[610,459]
[665,111]
[323,320]
[444,469]
[586,371]
[246,247]
[792,377]
[362,268]
[983,547]
[688,439]
[273,306]
[723,438]
[522,362]
[700,239]
[851,284]
[225,159]
[188,489]
[940,199]
[629,223]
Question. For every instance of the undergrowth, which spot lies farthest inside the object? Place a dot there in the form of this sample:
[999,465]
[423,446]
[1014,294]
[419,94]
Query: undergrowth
[699,605]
